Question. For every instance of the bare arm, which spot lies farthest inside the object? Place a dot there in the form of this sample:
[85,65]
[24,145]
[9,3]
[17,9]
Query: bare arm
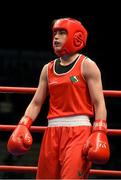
[93,77]
[35,105]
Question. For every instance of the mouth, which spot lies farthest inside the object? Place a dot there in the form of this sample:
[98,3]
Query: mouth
[57,44]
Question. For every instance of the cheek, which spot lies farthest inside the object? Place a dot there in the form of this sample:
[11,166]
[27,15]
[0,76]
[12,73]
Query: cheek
[64,39]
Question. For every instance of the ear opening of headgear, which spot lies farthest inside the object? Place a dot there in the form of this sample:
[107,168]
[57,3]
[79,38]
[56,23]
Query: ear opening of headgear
[77,35]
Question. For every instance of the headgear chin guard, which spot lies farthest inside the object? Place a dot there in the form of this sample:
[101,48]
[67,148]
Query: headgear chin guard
[76,35]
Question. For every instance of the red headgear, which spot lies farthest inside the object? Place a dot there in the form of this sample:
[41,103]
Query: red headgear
[77,35]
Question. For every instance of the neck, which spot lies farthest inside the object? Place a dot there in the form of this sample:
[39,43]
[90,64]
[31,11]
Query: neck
[67,59]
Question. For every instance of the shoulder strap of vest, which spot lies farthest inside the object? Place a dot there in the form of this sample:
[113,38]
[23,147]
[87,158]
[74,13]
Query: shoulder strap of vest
[82,57]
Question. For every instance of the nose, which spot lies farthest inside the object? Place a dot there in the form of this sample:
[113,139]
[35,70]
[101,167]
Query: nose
[56,35]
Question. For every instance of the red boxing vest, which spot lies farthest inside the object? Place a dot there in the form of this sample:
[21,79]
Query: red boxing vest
[69,93]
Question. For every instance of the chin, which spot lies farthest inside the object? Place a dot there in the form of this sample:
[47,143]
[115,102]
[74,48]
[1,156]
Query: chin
[57,49]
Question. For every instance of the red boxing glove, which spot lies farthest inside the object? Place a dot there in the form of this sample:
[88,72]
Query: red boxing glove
[21,140]
[96,148]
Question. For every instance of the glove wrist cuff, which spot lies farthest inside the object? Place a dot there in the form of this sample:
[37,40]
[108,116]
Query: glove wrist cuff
[100,125]
[26,121]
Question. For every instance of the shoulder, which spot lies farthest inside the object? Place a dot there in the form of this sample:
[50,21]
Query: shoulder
[44,70]
[45,67]
[90,68]
[49,64]
[88,61]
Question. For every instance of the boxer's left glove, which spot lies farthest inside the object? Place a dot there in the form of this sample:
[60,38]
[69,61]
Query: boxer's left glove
[96,148]
[21,140]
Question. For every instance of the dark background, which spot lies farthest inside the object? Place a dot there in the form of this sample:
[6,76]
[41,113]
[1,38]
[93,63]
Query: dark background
[25,46]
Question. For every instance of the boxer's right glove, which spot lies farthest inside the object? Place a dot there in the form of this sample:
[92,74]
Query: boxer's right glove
[96,148]
[21,140]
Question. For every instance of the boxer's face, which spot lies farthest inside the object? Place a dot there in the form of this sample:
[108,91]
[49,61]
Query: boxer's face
[59,39]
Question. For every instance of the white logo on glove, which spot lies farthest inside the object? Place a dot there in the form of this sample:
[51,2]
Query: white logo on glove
[102,144]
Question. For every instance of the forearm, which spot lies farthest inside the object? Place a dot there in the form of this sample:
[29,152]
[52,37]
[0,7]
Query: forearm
[100,111]
[32,111]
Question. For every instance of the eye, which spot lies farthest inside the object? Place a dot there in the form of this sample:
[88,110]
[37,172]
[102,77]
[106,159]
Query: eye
[62,32]
[59,32]
[54,33]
